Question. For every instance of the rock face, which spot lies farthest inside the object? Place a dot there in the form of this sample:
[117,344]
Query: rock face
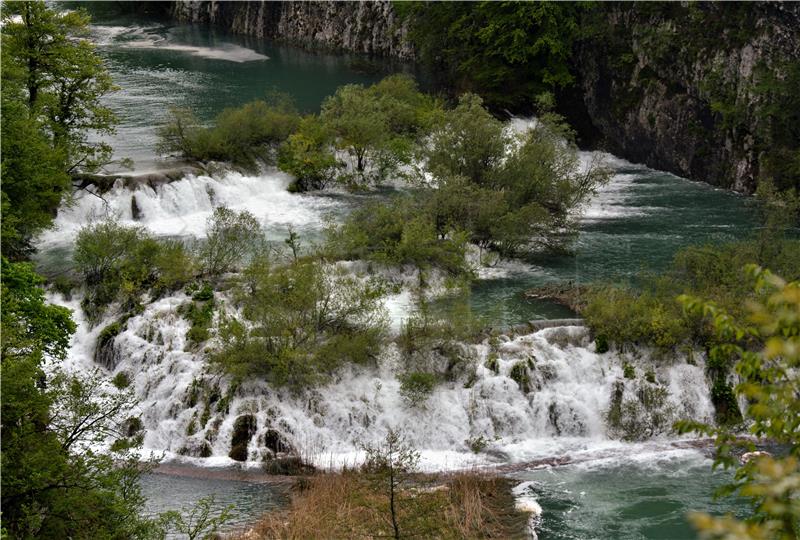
[678,89]
[362,27]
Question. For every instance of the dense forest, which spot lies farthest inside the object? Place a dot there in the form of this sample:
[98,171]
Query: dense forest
[295,315]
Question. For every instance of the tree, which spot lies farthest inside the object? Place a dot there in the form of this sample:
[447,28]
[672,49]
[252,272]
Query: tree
[33,176]
[378,127]
[511,193]
[55,483]
[507,52]
[52,85]
[766,353]
[245,136]
[469,144]
[308,156]
[230,238]
[63,78]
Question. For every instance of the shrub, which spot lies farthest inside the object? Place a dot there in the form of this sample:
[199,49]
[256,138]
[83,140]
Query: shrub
[601,344]
[416,387]
[651,315]
[121,380]
[301,322]
[231,238]
[244,136]
[396,234]
[308,156]
[628,371]
[513,193]
[119,263]
[174,264]
[377,127]
[200,314]
[492,363]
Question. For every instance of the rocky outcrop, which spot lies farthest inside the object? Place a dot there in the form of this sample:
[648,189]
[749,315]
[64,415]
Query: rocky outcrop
[680,87]
[363,27]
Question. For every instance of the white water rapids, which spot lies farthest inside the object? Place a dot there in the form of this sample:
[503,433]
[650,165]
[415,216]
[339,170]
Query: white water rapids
[563,414]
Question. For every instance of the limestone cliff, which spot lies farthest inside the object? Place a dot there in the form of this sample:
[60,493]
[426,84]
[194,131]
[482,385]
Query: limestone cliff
[684,88]
[363,27]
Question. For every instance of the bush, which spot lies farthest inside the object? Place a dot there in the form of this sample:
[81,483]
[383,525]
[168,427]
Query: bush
[512,193]
[628,371]
[308,156]
[301,322]
[652,316]
[416,387]
[119,263]
[492,363]
[231,238]
[244,136]
[200,313]
[121,380]
[378,127]
[397,233]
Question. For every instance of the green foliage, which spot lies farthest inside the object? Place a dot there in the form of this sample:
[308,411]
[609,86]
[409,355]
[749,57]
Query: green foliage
[200,312]
[119,263]
[492,363]
[52,83]
[508,52]
[231,238]
[377,127]
[601,344]
[765,346]
[52,486]
[121,380]
[398,233]
[300,323]
[511,193]
[60,77]
[416,387]
[628,371]
[30,327]
[245,136]
[33,179]
[650,315]
[725,405]
[307,155]
[780,124]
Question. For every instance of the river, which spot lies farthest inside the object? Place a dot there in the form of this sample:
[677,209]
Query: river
[636,222]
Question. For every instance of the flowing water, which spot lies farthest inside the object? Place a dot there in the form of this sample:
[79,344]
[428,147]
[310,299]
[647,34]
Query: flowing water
[606,489]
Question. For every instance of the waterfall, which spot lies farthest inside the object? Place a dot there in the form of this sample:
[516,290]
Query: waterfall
[181,207]
[560,407]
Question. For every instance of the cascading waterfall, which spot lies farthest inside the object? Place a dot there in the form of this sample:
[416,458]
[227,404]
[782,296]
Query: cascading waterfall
[519,398]
[180,208]
[560,407]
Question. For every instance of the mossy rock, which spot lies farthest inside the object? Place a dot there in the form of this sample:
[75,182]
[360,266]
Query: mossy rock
[492,363]
[287,466]
[274,441]
[244,427]
[519,374]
